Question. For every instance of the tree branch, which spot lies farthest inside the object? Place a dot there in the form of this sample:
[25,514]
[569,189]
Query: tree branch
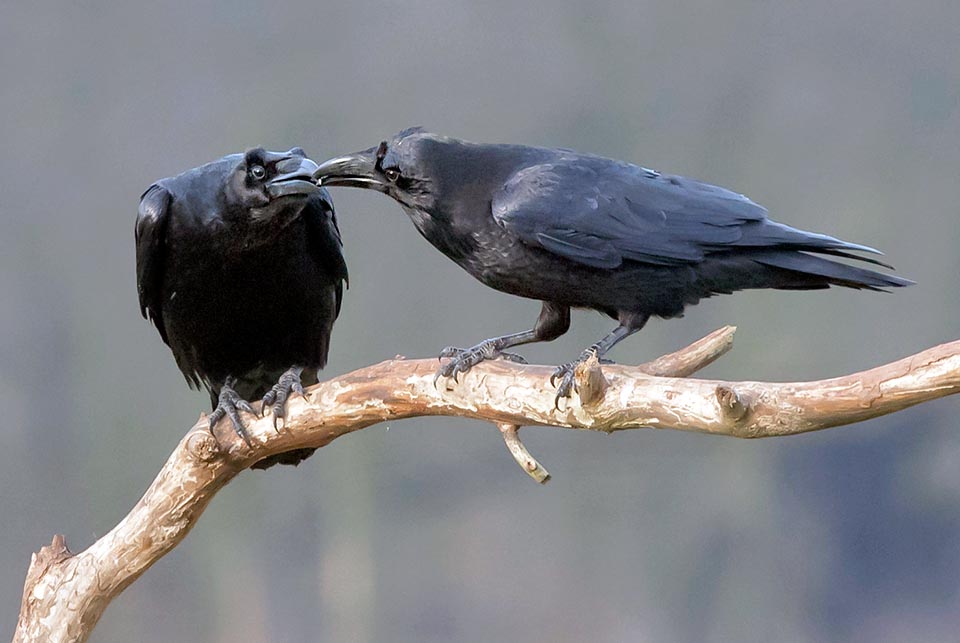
[529,464]
[65,594]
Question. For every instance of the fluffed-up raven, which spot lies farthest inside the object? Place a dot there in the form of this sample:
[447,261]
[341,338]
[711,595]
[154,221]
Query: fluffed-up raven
[240,268]
[583,231]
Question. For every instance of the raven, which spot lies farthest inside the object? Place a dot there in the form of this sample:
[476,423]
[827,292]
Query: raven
[583,231]
[240,268]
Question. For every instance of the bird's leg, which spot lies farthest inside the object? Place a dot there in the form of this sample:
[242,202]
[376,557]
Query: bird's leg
[554,320]
[466,358]
[566,372]
[276,398]
[229,403]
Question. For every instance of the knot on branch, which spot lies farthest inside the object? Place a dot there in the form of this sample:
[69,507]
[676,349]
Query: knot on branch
[203,446]
[733,406]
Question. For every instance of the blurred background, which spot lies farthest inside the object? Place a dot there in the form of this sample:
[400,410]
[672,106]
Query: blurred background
[839,117]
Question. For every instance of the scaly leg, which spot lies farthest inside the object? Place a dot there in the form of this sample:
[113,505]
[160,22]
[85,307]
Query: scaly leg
[554,321]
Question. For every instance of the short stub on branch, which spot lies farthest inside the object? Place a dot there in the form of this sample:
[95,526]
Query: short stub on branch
[527,462]
[35,589]
[591,384]
[54,553]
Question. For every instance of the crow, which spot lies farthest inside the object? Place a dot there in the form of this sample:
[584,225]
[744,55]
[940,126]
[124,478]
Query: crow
[581,231]
[240,268]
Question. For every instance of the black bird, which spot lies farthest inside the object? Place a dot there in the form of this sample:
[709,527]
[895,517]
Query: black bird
[240,268]
[577,230]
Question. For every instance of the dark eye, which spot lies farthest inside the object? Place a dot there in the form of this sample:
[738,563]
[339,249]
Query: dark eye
[392,174]
[258,172]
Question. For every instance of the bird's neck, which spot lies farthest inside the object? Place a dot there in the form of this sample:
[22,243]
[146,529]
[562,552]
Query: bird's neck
[442,231]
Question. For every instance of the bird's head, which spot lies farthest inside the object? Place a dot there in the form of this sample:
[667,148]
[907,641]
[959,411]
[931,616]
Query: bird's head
[408,167]
[264,183]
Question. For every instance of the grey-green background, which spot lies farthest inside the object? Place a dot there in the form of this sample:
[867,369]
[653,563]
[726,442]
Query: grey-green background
[841,117]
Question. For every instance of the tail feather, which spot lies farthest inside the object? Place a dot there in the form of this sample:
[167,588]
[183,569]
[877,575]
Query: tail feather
[850,255]
[770,234]
[833,272]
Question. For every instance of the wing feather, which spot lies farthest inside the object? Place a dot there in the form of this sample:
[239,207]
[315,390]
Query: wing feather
[600,212]
[150,236]
[326,245]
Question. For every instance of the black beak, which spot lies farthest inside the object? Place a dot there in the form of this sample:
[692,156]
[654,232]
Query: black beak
[353,170]
[295,176]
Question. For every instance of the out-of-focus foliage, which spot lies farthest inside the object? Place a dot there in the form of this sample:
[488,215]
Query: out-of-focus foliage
[840,117]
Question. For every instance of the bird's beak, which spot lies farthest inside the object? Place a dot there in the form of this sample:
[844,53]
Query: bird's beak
[354,170]
[295,176]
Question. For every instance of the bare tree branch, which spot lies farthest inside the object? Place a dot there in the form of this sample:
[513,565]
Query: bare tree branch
[529,464]
[65,594]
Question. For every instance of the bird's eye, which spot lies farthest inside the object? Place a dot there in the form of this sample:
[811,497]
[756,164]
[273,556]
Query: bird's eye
[392,174]
[258,172]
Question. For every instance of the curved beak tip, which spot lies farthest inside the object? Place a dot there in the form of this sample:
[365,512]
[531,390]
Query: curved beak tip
[295,177]
[352,170]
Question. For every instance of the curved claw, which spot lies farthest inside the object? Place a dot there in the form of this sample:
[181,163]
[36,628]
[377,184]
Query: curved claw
[243,405]
[276,398]
[567,385]
[565,374]
[215,417]
[558,372]
[461,366]
[447,370]
[268,399]
[450,351]
[229,403]
[462,361]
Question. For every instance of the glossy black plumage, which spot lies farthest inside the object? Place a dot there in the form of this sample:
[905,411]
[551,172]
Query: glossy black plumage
[239,266]
[577,230]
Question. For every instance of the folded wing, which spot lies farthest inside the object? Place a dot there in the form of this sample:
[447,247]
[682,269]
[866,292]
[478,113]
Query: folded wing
[600,213]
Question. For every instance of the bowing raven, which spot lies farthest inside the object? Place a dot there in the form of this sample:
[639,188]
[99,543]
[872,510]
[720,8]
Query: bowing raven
[577,230]
[240,268]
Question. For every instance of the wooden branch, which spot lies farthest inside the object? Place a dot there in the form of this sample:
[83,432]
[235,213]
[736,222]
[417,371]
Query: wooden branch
[527,462]
[65,594]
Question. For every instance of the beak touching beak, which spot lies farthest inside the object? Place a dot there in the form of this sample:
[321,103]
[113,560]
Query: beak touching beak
[354,170]
[295,176]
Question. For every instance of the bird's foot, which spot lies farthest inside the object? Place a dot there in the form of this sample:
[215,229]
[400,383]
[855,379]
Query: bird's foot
[276,398]
[229,404]
[463,359]
[566,374]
